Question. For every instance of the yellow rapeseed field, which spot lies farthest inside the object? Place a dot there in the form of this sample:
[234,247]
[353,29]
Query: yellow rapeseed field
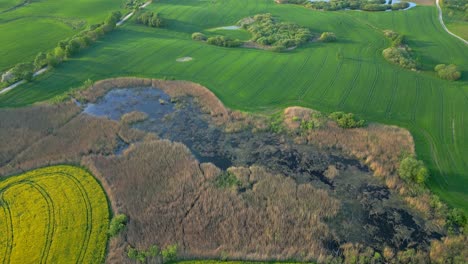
[56,214]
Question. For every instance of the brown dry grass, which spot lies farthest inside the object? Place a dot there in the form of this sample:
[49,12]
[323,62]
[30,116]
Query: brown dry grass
[170,198]
[83,135]
[20,128]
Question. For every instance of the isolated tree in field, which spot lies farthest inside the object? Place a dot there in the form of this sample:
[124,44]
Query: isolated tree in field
[413,170]
[199,36]
[448,72]
[328,37]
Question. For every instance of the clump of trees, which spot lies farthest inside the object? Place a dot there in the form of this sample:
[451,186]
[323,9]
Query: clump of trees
[347,120]
[223,41]
[199,36]
[328,37]
[448,72]
[333,5]
[268,31]
[399,52]
[117,224]
[150,19]
[413,170]
[69,47]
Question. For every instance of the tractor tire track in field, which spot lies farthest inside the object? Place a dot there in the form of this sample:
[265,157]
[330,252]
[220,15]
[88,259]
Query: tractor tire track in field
[353,83]
[88,206]
[50,229]
[435,158]
[51,215]
[9,224]
[263,87]
[214,61]
[332,83]
[416,102]
[440,112]
[394,95]
[309,81]
[371,92]
[245,68]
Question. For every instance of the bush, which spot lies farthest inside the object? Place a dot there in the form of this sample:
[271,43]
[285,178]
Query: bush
[226,180]
[40,61]
[23,71]
[448,72]
[150,19]
[223,41]
[328,37]
[413,170]
[400,56]
[169,253]
[199,36]
[141,255]
[456,221]
[401,5]
[346,120]
[117,224]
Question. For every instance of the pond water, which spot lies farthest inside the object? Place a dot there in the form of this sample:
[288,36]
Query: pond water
[373,214]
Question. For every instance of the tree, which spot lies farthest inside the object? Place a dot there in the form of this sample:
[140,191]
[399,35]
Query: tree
[199,36]
[117,224]
[23,71]
[169,253]
[40,61]
[328,37]
[448,72]
[413,170]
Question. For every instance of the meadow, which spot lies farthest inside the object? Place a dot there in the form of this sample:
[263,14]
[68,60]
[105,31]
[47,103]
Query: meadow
[29,29]
[55,214]
[314,75]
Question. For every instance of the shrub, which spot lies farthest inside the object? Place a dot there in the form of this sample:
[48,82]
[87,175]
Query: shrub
[346,120]
[40,61]
[413,170]
[456,221]
[23,71]
[226,180]
[141,255]
[223,41]
[400,56]
[199,36]
[150,19]
[401,5]
[448,72]
[169,253]
[328,37]
[117,224]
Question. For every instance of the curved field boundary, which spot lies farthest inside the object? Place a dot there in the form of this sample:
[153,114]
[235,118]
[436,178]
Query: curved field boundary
[441,19]
[51,224]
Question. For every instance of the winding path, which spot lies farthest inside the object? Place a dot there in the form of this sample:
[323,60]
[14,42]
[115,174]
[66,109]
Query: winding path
[443,24]
[41,71]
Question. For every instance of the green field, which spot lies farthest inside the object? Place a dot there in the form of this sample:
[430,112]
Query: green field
[53,215]
[362,82]
[38,26]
